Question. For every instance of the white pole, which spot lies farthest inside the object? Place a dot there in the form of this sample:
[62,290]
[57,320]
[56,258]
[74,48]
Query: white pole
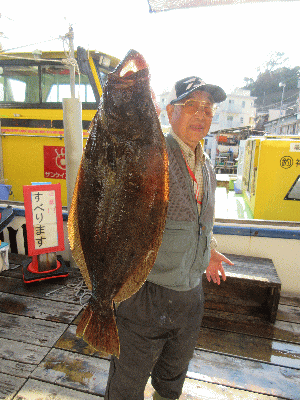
[70,35]
[72,118]
[214,145]
[72,114]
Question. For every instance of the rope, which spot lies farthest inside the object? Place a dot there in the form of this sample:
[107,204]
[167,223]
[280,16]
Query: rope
[81,292]
[27,45]
[70,61]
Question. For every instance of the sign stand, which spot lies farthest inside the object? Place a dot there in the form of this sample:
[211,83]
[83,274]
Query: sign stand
[45,236]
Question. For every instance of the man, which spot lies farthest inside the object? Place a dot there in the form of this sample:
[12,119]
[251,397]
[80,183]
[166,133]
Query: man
[159,325]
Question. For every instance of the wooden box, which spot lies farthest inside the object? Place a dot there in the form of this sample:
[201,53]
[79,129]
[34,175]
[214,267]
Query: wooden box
[252,287]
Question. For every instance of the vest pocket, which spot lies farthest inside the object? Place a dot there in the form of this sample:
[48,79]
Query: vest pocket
[175,240]
[177,249]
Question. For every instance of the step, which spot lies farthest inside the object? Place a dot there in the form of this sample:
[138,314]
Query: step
[252,287]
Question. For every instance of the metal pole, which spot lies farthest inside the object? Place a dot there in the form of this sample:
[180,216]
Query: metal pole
[298,111]
[1,158]
[283,85]
[72,67]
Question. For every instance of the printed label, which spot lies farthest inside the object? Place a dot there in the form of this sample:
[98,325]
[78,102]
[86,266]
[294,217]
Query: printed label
[295,146]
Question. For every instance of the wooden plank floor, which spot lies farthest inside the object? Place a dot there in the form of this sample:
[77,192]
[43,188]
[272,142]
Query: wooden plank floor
[237,357]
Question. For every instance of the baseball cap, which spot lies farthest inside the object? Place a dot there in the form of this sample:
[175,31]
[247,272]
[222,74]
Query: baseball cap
[186,86]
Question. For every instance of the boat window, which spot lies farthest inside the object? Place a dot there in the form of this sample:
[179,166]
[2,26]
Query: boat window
[56,85]
[36,84]
[19,84]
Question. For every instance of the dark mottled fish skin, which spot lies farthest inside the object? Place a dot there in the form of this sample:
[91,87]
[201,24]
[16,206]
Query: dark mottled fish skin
[120,201]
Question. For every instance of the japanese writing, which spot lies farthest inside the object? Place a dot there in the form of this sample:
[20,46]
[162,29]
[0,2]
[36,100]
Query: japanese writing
[55,175]
[44,219]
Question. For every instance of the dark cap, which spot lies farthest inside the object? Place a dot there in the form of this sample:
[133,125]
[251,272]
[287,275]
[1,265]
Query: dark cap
[186,86]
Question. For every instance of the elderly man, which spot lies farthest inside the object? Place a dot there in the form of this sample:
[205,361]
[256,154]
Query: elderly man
[159,325]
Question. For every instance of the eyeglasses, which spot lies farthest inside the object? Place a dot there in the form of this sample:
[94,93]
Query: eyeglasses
[193,106]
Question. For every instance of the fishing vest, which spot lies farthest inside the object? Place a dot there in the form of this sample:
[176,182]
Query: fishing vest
[184,253]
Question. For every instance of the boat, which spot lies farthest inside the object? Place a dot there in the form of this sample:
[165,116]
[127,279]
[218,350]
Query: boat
[32,86]
[251,324]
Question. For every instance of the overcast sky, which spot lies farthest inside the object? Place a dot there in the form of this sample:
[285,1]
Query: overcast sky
[220,44]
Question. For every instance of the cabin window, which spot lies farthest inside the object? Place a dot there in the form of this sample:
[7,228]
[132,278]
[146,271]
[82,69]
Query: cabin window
[36,84]
[16,90]
[19,84]
[56,85]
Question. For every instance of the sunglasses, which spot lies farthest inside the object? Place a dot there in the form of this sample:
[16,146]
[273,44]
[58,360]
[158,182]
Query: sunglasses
[193,106]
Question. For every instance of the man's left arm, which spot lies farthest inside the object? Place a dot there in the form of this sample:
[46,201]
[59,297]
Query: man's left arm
[215,266]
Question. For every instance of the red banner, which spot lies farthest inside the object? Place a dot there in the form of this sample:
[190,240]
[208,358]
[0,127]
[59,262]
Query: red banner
[54,162]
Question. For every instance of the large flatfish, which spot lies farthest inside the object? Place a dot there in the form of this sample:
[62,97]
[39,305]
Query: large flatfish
[119,205]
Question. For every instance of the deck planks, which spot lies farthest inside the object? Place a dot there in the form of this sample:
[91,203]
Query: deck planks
[60,290]
[251,347]
[22,352]
[239,355]
[56,311]
[9,386]
[245,374]
[13,368]
[238,323]
[30,330]
[36,390]
[288,313]
[74,370]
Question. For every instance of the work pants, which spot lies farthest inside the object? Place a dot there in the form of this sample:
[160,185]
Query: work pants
[158,330]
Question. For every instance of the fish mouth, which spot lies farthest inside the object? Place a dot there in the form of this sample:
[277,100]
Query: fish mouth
[132,63]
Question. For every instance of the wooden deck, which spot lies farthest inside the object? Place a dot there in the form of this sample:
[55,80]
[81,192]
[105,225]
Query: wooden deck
[239,356]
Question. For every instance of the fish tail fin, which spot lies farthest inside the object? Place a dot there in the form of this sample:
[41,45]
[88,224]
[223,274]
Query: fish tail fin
[99,330]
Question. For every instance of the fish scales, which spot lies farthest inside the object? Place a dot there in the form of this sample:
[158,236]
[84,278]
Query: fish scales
[119,205]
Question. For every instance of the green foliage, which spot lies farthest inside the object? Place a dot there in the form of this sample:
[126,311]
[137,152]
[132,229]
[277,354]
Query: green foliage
[268,81]
[270,74]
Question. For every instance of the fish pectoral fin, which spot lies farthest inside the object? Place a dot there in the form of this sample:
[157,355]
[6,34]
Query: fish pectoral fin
[98,328]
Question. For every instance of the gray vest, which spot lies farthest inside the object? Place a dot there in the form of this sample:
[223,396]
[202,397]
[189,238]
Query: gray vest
[185,250]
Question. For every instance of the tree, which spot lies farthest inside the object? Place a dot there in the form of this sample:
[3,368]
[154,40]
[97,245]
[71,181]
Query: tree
[266,86]
[277,59]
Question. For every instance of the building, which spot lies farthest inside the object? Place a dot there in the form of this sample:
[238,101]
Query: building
[286,125]
[236,111]
[164,120]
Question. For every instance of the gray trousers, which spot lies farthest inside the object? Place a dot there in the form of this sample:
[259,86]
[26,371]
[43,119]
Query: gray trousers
[158,330]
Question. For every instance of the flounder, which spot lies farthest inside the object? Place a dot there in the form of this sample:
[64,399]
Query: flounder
[119,206]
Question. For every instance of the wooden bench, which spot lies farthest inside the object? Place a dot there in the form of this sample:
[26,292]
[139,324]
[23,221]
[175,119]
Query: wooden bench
[252,287]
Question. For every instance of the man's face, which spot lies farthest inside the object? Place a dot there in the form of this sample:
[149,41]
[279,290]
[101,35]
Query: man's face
[191,128]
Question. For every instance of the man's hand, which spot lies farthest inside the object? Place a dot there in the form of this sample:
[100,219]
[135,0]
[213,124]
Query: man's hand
[215,265]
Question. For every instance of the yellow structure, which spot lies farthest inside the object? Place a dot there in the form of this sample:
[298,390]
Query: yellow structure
[32,133]
[271,177]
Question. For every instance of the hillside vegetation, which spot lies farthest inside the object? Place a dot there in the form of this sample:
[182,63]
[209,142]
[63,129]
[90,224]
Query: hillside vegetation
[266,86]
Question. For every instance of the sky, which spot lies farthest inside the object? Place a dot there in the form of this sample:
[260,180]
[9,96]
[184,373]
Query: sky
[220,44]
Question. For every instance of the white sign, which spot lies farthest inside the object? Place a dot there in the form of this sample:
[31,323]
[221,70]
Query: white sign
[44,219]
[295,146]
